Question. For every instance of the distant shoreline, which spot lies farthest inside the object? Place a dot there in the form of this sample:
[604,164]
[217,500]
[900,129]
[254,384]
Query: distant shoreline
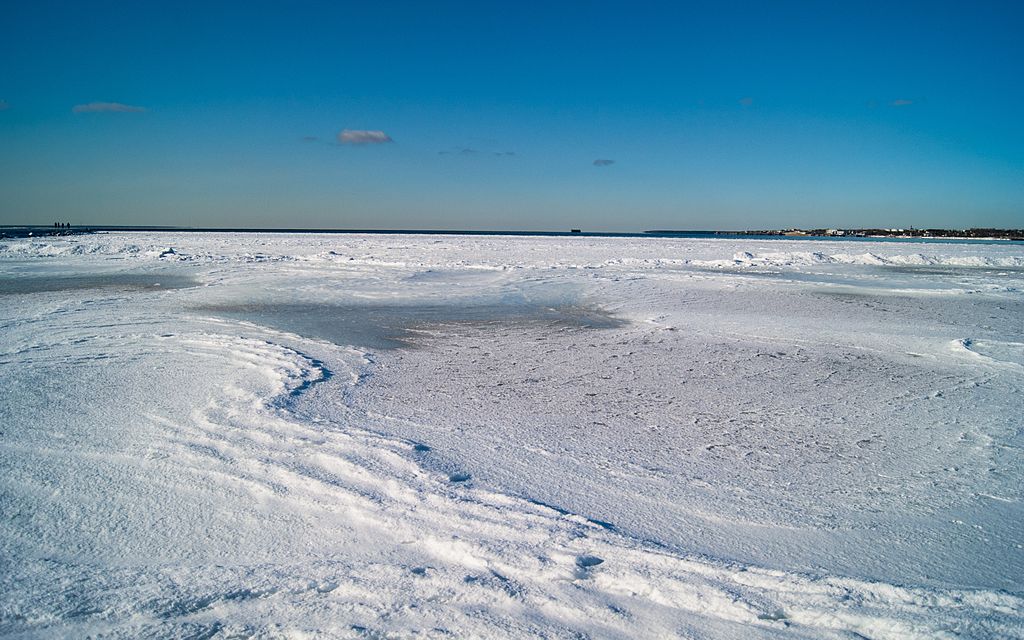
[888,235]
[949,234]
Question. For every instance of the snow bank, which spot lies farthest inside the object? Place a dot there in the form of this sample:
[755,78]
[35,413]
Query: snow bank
[745,457]
[809,258]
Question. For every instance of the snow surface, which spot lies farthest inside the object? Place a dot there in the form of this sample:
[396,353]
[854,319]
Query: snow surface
[368,436]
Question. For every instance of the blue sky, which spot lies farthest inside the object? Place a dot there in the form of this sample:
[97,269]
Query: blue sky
[468,115]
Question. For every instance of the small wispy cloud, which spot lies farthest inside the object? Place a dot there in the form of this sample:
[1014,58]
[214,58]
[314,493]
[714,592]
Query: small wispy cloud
[746,102]
[4,106]
[901,102]
[106,107]
[362,136]
[603,162]
[309,138]
[472,151]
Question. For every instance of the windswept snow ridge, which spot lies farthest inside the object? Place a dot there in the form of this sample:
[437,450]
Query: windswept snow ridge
[736,457]
[805,258]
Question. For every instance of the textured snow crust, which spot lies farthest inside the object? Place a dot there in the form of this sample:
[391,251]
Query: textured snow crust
[605,437]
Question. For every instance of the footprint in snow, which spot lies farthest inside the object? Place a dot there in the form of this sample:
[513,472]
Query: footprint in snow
[586,562]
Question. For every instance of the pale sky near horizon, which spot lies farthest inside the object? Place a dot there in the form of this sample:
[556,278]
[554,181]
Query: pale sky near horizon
[541,116]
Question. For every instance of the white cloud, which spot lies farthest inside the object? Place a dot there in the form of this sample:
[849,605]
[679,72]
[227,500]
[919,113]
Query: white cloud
[361,136]
[746,102]
[902,102]
[603,162]
[106,107]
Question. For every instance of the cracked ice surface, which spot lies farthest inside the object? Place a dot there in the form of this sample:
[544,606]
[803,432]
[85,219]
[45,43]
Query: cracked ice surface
[351,435]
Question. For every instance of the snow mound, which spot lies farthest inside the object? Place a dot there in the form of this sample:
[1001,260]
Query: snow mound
[811,258]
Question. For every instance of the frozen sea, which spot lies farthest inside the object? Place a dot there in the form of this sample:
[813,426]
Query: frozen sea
[231,435]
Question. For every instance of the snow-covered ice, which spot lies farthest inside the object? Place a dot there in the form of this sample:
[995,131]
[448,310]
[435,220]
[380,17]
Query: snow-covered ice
[299,435]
